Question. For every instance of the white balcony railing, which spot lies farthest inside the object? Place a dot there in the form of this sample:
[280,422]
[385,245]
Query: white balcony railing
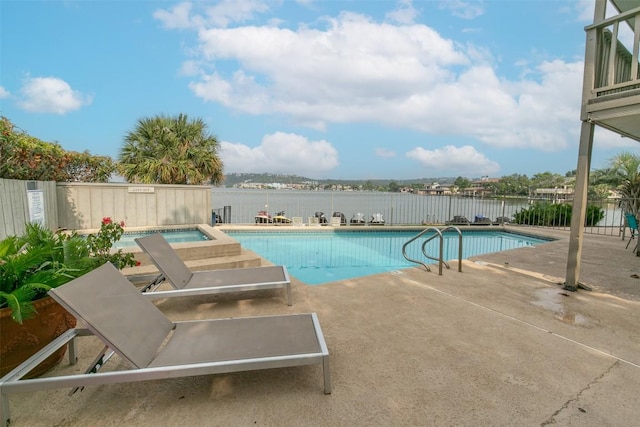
[616,60]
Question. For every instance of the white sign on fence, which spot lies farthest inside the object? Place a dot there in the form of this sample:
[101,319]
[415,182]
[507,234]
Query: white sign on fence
[35,200]
[141,189]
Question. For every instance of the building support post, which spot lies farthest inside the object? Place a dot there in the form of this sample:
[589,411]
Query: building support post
[579,207]
[584,154]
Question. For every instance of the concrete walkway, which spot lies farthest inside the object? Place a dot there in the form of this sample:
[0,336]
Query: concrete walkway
[500,344]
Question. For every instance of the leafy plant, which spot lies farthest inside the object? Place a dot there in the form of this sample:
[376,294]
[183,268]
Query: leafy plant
[170,150]
[555,214]
[626,166]
[26,157]
[101,243]
[544,214]
[39,260]
[594,215]
[35,262]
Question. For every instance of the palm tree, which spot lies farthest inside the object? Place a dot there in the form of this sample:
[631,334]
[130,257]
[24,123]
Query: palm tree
[170,150]
[627,166]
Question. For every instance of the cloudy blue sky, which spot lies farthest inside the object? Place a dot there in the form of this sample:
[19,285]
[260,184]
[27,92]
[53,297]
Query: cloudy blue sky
[320,88]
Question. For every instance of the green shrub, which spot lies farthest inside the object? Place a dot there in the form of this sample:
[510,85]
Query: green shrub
[544,214]
[594,215]
[555,215]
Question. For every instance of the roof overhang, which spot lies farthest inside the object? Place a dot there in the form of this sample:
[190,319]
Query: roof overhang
[624,5]
[622,120]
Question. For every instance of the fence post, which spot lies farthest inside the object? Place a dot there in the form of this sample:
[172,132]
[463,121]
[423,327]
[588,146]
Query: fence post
[332,209]
[391,213]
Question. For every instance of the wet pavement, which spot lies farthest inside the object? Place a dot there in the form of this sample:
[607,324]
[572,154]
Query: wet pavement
[607,265]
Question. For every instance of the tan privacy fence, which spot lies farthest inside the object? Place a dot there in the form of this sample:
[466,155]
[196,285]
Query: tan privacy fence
[82,206]
[26,201]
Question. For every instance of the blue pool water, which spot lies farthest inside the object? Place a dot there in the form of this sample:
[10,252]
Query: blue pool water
[321,257]
[172,236]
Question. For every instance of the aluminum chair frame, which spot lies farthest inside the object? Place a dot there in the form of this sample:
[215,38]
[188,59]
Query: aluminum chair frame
[157,348]
[188,283]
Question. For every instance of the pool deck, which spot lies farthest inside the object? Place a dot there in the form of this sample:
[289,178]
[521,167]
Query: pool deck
[500,344]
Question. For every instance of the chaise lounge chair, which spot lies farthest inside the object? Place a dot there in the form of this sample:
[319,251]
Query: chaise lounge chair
[156,348]
[458,220]
[632,223]
[188,283]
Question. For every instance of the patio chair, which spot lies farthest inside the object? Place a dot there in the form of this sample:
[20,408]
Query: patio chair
[482,220]
[632,223]
[458,220]
[155,347]
[186,282]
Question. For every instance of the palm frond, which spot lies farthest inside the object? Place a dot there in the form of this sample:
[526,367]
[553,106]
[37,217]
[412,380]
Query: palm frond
[20,303]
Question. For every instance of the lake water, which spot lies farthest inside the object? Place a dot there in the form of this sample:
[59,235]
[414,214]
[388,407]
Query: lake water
[397,208]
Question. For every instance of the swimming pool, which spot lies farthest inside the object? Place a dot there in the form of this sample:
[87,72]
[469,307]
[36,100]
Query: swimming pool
[172,236]
[321,257]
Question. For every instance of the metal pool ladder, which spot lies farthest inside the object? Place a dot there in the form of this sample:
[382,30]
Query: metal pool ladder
[437,233]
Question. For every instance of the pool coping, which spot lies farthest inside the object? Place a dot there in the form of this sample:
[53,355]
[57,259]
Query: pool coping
[537,234]
[271,229]
[219,243]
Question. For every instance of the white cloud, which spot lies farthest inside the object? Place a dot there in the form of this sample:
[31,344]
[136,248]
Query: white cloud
[383,152]
[241,92]
[221,14]
[356,70]
[466,160]
[352,71]
[465,9]
[190,69]
[4,93]
[404,13]
[50,95]
[178,17]
[281,152]
[231,11]
[584,10]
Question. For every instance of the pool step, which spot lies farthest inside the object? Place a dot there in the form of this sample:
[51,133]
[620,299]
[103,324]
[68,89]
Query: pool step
[221,252]
[243,259]
[237,261]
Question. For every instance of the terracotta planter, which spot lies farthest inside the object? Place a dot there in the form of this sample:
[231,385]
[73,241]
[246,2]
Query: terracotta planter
[20,341]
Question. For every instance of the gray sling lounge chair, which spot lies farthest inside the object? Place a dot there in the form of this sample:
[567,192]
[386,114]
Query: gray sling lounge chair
[156,348]
[185,282]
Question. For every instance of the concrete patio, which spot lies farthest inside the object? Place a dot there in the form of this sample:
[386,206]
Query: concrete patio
[499,344]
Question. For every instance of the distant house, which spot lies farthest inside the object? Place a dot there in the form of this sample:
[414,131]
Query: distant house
[435,189]
[614,195]
[250,185]
[556,195]
[479,188]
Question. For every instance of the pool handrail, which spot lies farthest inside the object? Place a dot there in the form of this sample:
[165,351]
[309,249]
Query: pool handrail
[457,230]
[439,259]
